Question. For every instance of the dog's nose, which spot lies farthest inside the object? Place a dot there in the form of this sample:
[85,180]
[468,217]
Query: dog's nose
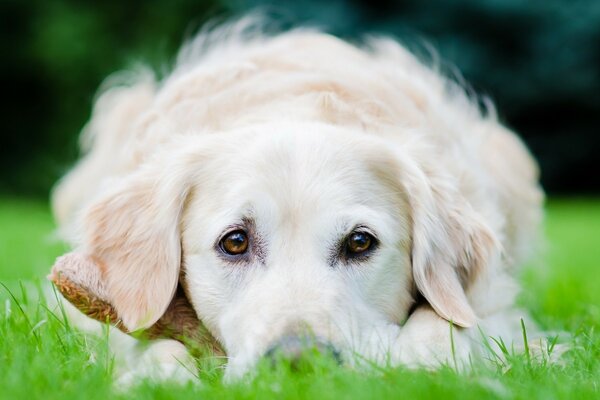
[296,348]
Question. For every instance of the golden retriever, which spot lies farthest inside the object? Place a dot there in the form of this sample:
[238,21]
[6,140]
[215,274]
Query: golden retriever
[296,185]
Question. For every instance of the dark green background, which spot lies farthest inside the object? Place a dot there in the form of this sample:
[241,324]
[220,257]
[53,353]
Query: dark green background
[538,60]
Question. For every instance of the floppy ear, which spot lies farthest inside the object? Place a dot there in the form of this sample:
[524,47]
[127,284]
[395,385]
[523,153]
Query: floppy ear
[80,280]
[132,232]
[451,244]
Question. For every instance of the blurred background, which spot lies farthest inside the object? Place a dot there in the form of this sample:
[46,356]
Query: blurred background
[538,60]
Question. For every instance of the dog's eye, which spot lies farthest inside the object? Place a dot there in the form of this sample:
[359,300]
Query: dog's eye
[234,243]
[358,243]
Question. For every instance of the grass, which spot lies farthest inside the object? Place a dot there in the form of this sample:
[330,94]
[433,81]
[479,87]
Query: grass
[42,357]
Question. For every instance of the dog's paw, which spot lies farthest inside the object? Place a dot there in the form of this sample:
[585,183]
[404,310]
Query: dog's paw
[429,341]
[171,372]
[161,361]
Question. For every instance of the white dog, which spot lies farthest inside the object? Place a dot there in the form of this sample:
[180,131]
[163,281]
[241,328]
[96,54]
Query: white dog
[298,184]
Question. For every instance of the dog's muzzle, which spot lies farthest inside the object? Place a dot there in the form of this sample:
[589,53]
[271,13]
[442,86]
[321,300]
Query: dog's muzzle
[295,349]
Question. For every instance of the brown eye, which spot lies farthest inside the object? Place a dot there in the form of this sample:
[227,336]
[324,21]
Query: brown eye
[235,243]
[359,242]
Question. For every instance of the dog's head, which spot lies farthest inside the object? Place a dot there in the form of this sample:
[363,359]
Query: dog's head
[285,230]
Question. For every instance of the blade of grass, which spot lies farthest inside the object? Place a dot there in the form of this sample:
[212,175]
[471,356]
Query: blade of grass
[526,343]
[27,320]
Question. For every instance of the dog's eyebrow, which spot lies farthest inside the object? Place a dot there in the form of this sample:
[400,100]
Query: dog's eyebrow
[365,228]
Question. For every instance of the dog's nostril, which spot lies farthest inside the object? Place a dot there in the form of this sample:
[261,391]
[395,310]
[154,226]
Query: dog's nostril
[296,348]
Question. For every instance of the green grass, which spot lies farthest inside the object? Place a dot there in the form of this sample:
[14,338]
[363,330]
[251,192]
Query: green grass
[41,357]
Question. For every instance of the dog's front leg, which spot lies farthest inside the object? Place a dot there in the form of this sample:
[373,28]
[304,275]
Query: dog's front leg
[427,340]
[157,360]
[133,360]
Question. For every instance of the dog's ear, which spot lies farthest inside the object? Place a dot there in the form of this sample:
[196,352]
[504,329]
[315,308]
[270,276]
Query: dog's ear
[132,231]
[451,244]
[79,279]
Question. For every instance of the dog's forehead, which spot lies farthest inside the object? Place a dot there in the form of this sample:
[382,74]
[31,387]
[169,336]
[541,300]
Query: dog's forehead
[312,167]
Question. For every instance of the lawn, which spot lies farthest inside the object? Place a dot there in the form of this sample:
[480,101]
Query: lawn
[42,357]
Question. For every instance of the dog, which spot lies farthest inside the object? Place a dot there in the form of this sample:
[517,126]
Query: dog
[295,188]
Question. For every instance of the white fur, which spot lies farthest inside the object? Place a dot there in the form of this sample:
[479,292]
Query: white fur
[307,136]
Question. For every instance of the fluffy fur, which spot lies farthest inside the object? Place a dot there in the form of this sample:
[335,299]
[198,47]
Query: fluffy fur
[299,138]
